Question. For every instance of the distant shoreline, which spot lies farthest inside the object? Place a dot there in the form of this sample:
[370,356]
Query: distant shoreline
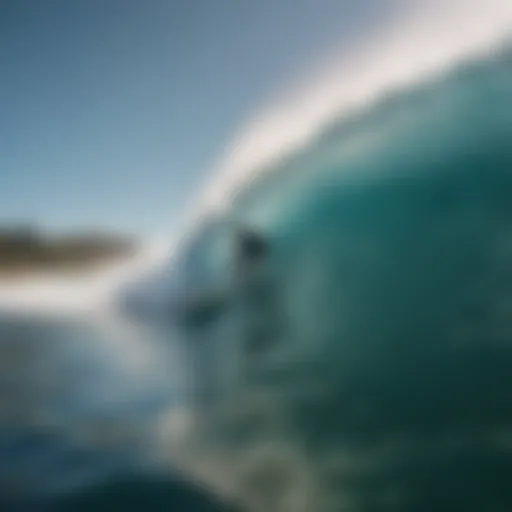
[10,275]
[25,253]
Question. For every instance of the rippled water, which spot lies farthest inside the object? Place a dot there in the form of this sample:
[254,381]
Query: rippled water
[82,404]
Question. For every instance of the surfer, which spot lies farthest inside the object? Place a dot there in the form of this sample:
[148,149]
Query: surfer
[254,290]
[217,323]
[249,253]
[251,249]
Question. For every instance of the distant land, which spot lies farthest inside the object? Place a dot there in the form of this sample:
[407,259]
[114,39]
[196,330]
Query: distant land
[28,250]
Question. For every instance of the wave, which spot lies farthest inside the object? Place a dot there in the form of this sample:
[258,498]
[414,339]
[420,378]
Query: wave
[388,359]
[327,121]
[390,347]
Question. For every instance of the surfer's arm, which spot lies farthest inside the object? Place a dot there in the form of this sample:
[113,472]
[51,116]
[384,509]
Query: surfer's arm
[205,305]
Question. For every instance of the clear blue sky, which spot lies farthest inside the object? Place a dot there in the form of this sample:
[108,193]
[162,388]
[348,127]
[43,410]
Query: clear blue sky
[112,112]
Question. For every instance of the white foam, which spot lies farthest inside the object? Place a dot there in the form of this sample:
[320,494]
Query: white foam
[86,292]
[426,41]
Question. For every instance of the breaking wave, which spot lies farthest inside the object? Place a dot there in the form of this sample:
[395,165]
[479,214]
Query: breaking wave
[383,378]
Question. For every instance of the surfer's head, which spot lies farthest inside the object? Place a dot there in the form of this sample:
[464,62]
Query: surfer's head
[251,246]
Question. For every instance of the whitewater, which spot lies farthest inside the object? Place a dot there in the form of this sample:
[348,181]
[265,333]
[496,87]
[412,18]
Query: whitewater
[82,293]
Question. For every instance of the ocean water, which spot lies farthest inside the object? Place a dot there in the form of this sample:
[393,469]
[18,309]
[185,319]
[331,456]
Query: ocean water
[371,371]
[380,376]
[80,409]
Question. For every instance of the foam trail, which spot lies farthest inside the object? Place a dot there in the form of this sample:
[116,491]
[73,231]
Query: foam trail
[425,42]
[87,292]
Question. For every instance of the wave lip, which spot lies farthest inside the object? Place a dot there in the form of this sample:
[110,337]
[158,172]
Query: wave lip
[429,40]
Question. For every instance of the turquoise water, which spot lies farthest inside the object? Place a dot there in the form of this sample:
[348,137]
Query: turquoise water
[385,380]
[372,371]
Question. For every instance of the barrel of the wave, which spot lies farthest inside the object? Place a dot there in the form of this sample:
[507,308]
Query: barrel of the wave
[397,276]
[394,267]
